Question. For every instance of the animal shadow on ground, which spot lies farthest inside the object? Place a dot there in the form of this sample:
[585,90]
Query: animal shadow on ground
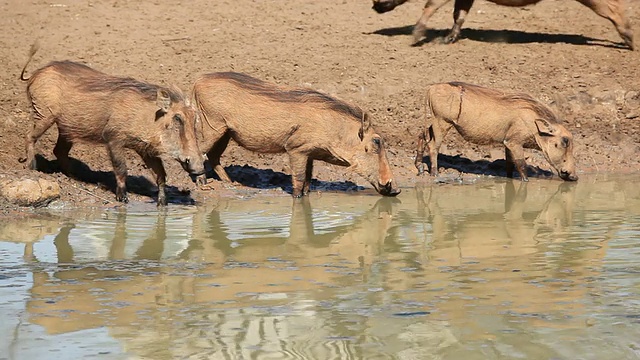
[139,185]
[481,167]
[268,179]
[501,36]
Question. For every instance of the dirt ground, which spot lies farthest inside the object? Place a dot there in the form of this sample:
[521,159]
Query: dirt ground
[558,51]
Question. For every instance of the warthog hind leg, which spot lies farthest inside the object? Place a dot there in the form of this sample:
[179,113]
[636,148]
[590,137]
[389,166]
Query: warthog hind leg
[40,125]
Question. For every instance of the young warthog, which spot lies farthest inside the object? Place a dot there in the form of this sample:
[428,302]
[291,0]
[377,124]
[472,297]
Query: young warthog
[487,116]
[612,10]
[91,106]
[305,124]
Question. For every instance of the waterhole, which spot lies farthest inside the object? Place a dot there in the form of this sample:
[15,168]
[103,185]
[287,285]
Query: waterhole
[495,269]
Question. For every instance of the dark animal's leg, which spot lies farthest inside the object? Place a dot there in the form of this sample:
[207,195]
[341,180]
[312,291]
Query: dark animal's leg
[517,156]
[61,151]
[422,140]
[214,156]
[307,177]
[437,132]
[460,11]
[420,27]
[614,11]
[155,164]
[40,125]
[117,155]
[298,172]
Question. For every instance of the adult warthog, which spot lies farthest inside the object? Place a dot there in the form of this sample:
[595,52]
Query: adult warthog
[613,10]
[304,123]
[488,116]
[91,106]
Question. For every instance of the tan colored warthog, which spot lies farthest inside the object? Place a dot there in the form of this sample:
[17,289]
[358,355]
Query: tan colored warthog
[487,116]
[612,10]
[304,123]
[91,106]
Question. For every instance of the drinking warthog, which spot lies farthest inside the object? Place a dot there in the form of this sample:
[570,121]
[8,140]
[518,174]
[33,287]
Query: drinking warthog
[91,106]
[304,123]
[613,10]
[487,116]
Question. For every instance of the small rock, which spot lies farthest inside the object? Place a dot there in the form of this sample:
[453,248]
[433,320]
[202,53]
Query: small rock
[29,191]
[632,114]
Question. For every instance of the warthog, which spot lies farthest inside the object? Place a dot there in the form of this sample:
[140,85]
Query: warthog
[304,123]
[613,10]
[91,106]
[487,116]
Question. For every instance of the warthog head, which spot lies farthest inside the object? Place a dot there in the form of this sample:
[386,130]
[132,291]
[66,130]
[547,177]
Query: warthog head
[556,143]
[382,6]
[370,161]
[177,121]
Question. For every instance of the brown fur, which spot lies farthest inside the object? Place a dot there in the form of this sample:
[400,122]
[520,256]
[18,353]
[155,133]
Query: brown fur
[488,116]
[612,10]
[306,124]
[91,106]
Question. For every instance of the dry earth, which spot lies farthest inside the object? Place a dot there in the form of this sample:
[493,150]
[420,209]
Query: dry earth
[558,51]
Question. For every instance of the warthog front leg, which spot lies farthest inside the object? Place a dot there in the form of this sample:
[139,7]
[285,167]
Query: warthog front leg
[460,11]
[306,187]
[420,28]
[299,168]
[514,154]
[155,164]
[117,155]
[214,157]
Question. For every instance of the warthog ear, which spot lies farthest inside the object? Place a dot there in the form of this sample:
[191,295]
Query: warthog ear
[163,100]
[545,127]
[364,125]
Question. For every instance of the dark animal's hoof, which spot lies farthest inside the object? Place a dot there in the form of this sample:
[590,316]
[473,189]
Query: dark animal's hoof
[449,40]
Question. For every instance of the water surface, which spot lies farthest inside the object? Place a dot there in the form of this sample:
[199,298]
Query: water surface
[494,270]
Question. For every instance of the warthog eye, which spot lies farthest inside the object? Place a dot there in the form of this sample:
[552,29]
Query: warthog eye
[376,144]
[178,118]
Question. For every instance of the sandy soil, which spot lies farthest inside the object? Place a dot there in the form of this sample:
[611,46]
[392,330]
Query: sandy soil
[558,51]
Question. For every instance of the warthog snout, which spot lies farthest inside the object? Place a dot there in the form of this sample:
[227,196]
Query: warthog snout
[565,175]
[192,167]
[388,189]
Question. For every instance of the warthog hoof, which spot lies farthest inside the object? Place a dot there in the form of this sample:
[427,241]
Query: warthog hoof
[201,180]
[564,175]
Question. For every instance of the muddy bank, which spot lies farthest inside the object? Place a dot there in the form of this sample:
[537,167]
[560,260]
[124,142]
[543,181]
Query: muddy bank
[344,49]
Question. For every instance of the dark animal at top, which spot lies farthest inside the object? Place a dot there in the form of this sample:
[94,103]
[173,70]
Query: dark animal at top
[304,123]
[488,116]
[88,105]
[613,10]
